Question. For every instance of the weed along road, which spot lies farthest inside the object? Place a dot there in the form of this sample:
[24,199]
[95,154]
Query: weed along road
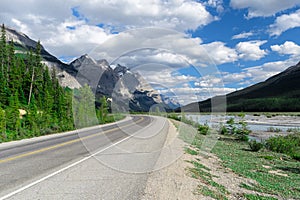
[102,162]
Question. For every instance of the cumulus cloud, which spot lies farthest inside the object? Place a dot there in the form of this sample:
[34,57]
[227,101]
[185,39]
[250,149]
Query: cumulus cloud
[76,20]
[178,49]
[259,8]
[251,50]
[242,35]
[217,4]
[188,95]
[262,72]
[284,23]
[179,15]
[220,53]
[235,77]
[288,48]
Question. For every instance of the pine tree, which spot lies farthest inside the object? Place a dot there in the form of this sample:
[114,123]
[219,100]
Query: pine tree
[3,68]
[84,107]
[12,113]
[2,125]
[103,110]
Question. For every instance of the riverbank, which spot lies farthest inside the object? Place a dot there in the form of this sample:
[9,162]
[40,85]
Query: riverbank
[232,171]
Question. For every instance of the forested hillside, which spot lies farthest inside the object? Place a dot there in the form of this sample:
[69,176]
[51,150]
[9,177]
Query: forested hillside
[32,102]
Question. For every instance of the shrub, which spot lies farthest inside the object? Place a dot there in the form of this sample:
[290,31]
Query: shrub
[296,155]
[46,131]
[223,130]
[289,145]
[294,130]
[272,129]
[203,129]
[255,146]
[243,137]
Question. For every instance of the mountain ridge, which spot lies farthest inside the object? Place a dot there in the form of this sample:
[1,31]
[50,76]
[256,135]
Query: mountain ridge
[134,92]
[280,92]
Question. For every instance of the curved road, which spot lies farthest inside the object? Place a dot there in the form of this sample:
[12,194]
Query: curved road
[102,162]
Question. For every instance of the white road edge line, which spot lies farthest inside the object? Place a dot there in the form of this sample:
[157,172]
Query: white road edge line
[61,170]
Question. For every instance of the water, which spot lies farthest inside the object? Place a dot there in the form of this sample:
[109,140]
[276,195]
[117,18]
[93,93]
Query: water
[215,120]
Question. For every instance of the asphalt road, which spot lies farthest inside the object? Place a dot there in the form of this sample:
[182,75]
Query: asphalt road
[107,162]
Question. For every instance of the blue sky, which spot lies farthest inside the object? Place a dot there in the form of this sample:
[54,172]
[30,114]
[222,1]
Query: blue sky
[195,49]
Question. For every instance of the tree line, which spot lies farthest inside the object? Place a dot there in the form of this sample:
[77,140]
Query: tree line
[32,102]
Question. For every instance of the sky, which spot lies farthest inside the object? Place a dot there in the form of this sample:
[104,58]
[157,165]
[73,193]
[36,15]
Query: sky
[189,49]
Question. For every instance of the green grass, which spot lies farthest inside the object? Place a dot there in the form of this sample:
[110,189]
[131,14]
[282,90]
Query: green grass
[114,117]
[258,197]
[204,190]
[190,151]
[236,155]
[201,172]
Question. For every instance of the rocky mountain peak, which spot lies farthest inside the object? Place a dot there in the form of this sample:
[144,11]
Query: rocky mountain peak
[19,38]
[120,70]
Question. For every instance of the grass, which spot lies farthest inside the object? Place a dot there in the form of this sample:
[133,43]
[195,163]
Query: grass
[204,190]
[237,156]
[190,151]
[201,172]
[258,197]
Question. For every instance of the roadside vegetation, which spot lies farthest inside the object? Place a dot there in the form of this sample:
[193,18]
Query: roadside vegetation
[32,103]
[273,164]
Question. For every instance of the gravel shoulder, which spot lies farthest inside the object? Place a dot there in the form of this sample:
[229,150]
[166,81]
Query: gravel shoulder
[172,181]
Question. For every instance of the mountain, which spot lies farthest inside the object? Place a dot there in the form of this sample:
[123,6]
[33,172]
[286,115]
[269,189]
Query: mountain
[128,91]
[278,93]
[24,44]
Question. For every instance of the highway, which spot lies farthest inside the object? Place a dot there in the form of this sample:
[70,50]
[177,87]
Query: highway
[102,162]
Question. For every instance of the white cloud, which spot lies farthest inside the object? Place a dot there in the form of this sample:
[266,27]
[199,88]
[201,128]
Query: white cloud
[22,27]
[48,20]
[242,35]
[284,23]
[187,95]
[209,81]
[76,41]
[262,72]
[288,48]
[251,50]
[220,53]
[166,46]
[217,4]
[235,77]
[164,77]
[259,8]
[179,14]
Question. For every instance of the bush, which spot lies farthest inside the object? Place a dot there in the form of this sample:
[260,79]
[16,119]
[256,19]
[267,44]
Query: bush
[203,129]
[289,145]
[223,130]
[243,137]
[272,129]
[46,131]
[255,146]
[294,130]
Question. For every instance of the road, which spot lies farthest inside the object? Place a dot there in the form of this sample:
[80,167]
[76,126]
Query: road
[103,162]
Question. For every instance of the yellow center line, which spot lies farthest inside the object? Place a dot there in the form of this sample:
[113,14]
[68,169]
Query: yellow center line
[65,143]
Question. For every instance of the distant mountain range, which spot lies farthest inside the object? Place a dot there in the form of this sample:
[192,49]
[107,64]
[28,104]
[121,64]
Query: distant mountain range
[128,91]
[278,93]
